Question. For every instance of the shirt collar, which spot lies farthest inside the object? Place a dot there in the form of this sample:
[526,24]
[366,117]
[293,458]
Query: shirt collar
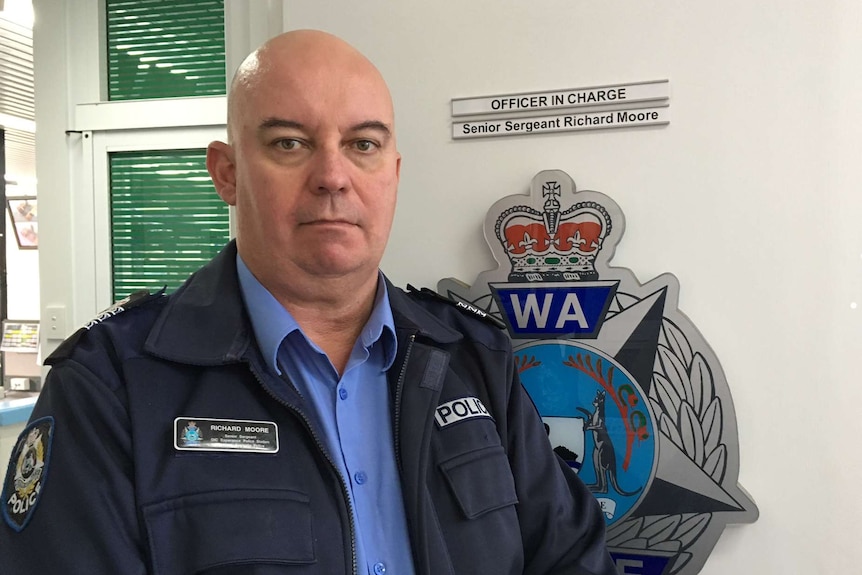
[381,325]
[272,323]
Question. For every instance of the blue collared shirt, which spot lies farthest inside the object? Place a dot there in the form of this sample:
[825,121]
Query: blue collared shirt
[354,412]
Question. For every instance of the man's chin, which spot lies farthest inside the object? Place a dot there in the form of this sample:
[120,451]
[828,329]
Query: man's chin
[341,265]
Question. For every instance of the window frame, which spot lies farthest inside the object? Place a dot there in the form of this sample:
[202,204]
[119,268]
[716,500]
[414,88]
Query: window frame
[101,145]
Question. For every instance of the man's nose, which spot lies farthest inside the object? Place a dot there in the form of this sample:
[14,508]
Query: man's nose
[330,170]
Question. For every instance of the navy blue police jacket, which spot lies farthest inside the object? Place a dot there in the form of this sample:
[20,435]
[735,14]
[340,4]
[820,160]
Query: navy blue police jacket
[483,496]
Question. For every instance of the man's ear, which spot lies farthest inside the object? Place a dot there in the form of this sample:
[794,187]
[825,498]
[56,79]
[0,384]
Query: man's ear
[222,169]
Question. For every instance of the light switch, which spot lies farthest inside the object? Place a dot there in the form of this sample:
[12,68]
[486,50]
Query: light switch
[55,322]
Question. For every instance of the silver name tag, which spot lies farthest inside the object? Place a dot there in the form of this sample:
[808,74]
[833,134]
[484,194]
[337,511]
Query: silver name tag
[232,435]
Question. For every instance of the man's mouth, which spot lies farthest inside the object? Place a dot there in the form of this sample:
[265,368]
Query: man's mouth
[329,222]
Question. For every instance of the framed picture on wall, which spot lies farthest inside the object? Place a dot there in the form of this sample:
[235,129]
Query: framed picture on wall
[22,212]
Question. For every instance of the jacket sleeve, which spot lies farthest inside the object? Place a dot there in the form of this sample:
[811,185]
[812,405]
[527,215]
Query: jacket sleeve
[84,520]
[562,525]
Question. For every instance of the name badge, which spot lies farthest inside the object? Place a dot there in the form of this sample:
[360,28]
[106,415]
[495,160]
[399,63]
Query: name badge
[459,410]
[231,435]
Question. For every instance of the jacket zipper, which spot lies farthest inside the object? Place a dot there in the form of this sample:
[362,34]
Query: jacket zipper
[344,490]
[399,386]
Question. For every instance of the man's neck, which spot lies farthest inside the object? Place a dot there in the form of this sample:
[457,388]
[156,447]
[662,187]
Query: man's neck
[331,314]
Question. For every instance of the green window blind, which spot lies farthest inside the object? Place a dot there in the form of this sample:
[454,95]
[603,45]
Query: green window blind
[165,48]
[166,218]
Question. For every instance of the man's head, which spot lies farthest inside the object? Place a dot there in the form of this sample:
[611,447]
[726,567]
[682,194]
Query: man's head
[312,164]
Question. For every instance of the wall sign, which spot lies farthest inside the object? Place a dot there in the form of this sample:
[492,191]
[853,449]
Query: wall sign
[618,106]
[560,123]
[579,97]
[632,396]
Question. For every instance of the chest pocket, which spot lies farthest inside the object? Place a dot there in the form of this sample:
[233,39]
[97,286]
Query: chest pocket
[481,481]
[230,532]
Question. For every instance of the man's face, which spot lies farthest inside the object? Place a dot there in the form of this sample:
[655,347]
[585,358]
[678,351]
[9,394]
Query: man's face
[316,170]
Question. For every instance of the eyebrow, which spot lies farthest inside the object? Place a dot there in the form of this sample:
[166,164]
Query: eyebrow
[372,125]
[377,125]
[280,123]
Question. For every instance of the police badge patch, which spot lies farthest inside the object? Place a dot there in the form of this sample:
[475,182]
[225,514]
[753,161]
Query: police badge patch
[632,396]
[27,471]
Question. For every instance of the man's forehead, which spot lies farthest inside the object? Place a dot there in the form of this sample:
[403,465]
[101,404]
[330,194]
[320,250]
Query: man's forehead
[296,78]
[339,88]
[347,105]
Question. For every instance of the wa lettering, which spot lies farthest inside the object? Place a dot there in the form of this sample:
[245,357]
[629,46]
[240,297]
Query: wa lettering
[571,311]
[531,308]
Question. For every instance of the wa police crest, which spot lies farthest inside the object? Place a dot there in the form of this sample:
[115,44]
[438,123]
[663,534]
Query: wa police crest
[633,398]
[191,434]
[27,471]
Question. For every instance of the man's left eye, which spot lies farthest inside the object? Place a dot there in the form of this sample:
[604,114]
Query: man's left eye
[365,145]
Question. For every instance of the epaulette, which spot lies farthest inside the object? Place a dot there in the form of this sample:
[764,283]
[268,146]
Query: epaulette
[463,306]
[134,300]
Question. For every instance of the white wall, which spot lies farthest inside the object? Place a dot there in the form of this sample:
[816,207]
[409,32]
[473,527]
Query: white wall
[749,197]
[22,271]
[51,48]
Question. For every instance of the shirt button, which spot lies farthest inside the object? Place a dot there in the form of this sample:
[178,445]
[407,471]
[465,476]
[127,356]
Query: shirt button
[342,393]
[361,478]
[379,568]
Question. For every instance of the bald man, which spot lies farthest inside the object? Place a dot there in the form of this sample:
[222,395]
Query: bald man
[288,410]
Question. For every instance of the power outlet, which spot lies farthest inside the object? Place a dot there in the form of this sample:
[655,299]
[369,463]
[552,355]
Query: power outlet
[55,322]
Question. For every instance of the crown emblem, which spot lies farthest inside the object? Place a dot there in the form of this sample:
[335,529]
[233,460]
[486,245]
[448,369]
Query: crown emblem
[553,245]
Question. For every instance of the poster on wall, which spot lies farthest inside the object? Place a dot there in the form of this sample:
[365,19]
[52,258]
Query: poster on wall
[20,336]
[22,212]
[632,396]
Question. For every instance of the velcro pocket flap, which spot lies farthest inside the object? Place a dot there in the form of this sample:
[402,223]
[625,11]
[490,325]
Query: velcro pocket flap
[481,480]
[193,533]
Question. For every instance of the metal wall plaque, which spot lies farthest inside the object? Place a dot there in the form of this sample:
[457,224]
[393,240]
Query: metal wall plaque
[561,123]
[654,91]
[632,396]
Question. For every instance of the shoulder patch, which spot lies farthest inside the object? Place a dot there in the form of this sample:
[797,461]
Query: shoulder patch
[28,469]
[467,308]
[134,300]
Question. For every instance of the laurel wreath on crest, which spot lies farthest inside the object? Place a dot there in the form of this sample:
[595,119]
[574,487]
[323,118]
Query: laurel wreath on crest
[689,413]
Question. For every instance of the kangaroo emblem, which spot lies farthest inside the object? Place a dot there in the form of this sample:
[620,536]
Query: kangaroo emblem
[604,455]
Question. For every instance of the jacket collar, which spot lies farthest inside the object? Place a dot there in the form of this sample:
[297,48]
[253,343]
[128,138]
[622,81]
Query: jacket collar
[205,321]
[411,316]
